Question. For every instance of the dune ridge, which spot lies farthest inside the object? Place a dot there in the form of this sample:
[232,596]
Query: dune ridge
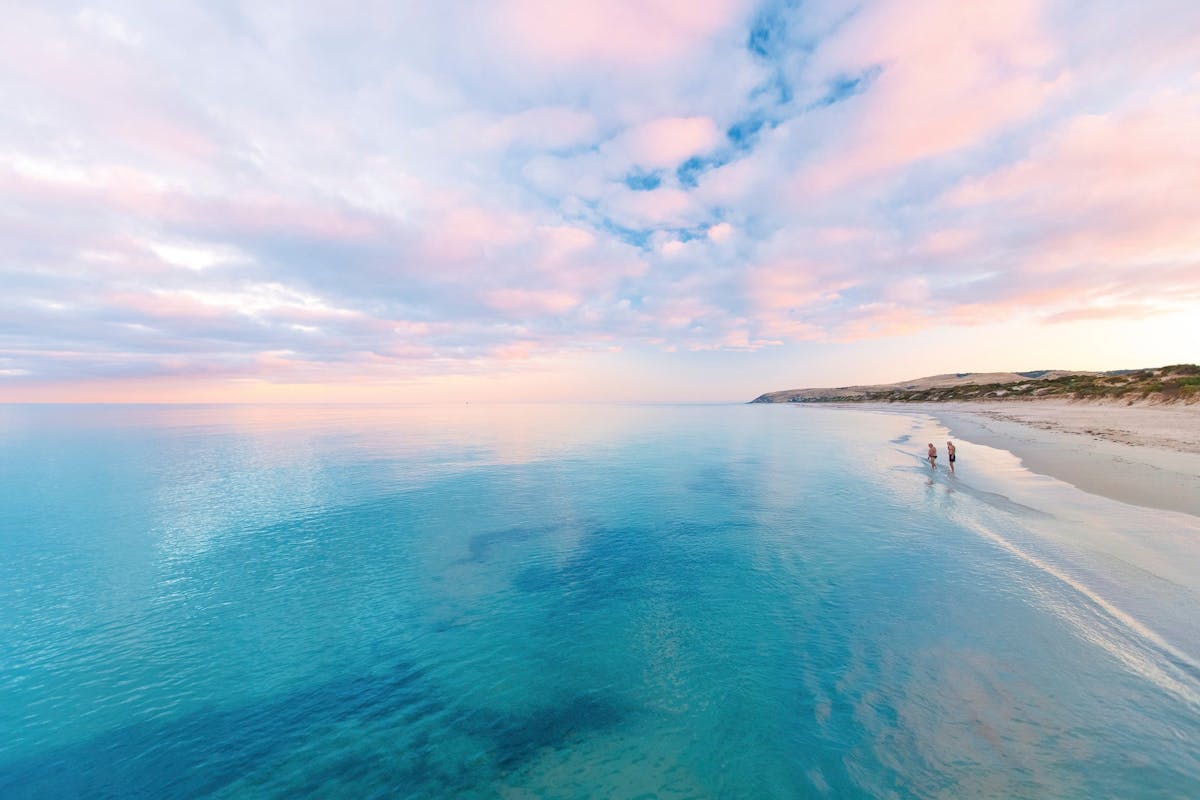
[1176,383]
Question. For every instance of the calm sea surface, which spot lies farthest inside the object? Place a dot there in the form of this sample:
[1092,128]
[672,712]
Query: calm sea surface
[576,601]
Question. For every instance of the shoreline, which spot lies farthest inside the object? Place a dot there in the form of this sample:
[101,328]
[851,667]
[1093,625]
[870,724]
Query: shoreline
[1140,455]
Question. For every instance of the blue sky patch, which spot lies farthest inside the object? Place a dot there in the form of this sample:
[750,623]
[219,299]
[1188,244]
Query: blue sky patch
[643,181]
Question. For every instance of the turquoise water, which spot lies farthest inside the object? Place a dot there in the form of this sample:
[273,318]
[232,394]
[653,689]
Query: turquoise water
[607,601]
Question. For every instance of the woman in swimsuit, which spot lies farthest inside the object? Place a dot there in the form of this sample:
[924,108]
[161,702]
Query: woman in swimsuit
[932,456]
[950,450]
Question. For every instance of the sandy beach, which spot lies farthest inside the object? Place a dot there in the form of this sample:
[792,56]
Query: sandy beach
[1147,455]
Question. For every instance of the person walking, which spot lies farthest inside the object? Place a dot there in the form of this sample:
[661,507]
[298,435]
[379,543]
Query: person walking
[950,450]
[932,456]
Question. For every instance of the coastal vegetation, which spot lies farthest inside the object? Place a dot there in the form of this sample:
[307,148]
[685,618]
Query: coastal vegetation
[1176,383]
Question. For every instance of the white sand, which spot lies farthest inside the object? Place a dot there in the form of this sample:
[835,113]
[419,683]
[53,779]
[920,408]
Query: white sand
[1142,455]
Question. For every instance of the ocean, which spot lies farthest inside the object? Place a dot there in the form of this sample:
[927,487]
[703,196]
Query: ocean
[609,601]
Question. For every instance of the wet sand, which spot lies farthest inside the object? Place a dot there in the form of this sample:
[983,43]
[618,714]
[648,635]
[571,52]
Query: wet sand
[1141,455]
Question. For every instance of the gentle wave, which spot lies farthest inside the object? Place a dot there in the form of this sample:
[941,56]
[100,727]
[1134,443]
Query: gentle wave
[1131,641]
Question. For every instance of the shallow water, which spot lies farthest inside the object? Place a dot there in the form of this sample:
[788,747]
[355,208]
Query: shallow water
[576,601]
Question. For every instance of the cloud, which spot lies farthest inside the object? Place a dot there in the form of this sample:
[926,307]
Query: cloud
[721,232]
[1103,207]
[108,25]
[943,76]
[527,301]
[668,141]
[548,128]
[393,193]
[608,32]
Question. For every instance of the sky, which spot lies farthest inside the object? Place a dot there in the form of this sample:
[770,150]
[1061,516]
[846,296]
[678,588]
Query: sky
[643,200]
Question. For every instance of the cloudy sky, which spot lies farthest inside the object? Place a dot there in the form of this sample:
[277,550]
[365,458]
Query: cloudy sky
[628,199]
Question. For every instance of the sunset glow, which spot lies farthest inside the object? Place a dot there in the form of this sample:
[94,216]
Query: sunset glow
[599,199]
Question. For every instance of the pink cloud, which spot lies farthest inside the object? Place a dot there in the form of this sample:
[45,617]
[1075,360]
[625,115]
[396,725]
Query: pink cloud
[788,299]
[95,71]
[535,129]
[907,291]
[118,189]
[165,306]
[161,134]
[561,242]
[1114,190]
[740,340]
[464,233]
[517,351]
[1123,311]
[477,183]
[681,312]
[668,141]
[608,31]
[880,320]
[531,301]
[663,206]
[271,212]
[786,287]
[732,182]
[952,75]
[520,266]
[947,242]
[721,232]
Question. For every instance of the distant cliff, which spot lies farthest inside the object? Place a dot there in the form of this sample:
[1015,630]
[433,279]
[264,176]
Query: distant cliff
[1175,383]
